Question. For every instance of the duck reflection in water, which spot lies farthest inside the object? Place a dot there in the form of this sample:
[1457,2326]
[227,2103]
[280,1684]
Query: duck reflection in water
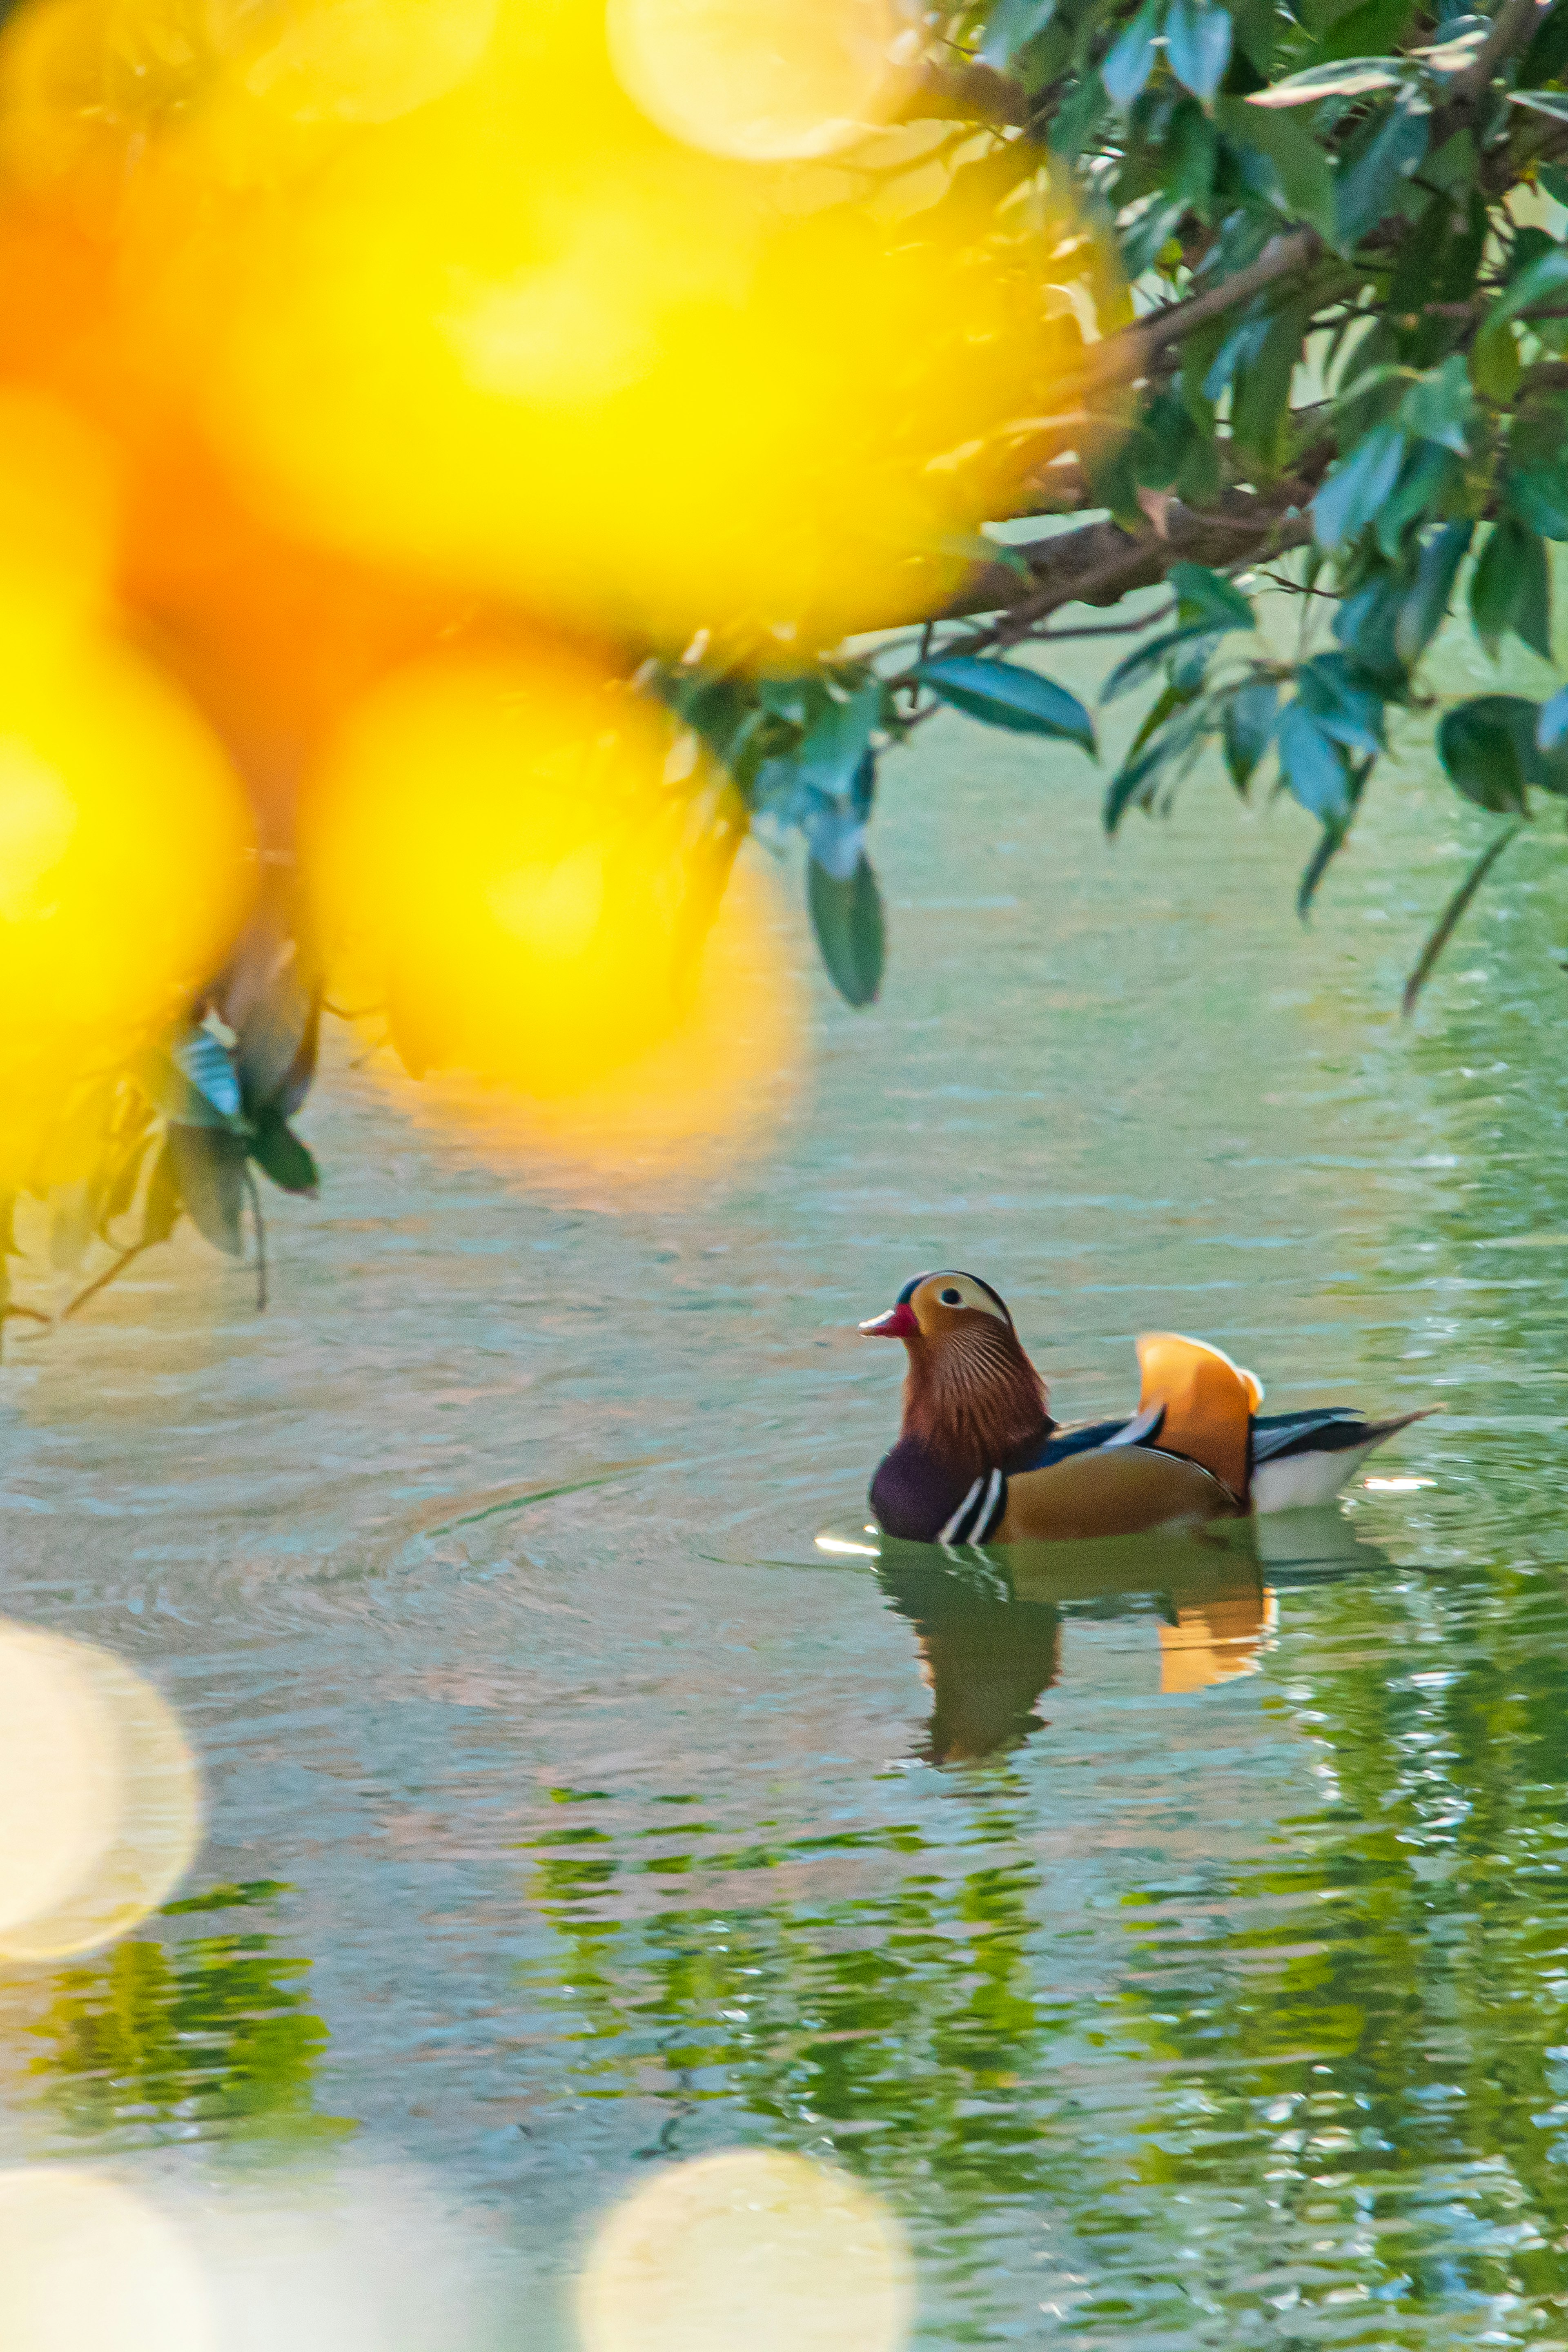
[989,1625]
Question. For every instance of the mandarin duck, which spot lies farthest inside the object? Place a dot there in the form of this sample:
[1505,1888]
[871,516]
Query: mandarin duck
[980,1460]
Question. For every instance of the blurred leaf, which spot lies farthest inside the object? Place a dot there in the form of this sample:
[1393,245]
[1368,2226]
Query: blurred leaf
[1439,407]
[1540,278]
[1496,367]
[1249,724]
[832,752]
[1366,625]
[275,1052]
[209,1168]
[1011,27]
[1448,920]
[1208,596]
[73,1221]
[1352,493]
[1376,27]
[1538,497]
[1142,662]
[1367,182]
[1130,61]
[1425,609]
[1346,710]
[1553,102]
[1510,588]
[1004,694]
[279,1153]
[1261,398]
[1311,764]
[212,1099]
[1300,166]
[227,1896]
[850,932]
[1551,729]
[1348,77]
[1197,46]
[1172,745]
[161,1209]
[1486,745]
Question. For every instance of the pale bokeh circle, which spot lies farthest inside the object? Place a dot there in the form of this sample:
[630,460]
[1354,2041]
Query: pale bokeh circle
[100,1804]
[754,2250]
[763,80]
[87,2265]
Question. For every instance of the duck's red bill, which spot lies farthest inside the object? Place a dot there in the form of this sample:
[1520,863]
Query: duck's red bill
[898,1323]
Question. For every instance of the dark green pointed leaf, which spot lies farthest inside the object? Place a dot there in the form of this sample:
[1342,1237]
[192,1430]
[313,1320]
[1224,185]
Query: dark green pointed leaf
[1250,714]
[1346,708]
[208,1165]
[1312,766]
[1539,497]
[851,932]
[1197,46]
[1261,399]
[1301,167]
[1351,497]
[1510,588]
[1141,666]
[1441,406]
[1208,596]
[276,1045]
[1005,694]
[279,1153]
[1366,188]
[1487,746]
[1426,607]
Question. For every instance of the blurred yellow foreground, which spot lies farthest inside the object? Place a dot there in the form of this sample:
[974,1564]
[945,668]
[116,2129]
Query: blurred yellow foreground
[379,381]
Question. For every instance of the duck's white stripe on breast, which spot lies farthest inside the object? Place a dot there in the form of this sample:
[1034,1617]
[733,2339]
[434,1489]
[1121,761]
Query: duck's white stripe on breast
[976,1515]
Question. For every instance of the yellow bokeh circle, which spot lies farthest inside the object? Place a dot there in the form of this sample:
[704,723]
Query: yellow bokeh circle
[85,2262]
[521,865]
[751,2248]
[760,79]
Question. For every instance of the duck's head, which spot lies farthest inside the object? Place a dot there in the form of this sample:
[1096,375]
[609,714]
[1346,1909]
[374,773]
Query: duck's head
[972,1393]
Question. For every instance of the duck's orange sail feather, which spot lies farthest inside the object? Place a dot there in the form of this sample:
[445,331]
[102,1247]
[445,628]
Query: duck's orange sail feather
[1208,1402]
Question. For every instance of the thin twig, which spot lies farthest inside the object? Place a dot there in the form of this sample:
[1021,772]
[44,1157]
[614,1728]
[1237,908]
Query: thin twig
[1449,921]
[254,1196]
[100,1281]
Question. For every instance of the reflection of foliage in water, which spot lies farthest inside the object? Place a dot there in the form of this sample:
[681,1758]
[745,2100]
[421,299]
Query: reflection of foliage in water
[903,2032]
[207,2037]
[1376,2042]
[1323,2093]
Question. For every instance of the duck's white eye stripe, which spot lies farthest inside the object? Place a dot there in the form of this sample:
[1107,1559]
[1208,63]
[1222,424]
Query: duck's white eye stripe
[953,1531]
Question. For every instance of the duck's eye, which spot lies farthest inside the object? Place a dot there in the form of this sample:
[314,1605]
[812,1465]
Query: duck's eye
[951,1297]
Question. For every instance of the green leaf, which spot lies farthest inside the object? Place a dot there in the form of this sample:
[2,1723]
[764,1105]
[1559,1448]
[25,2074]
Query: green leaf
[1348,78]
[1537,282]
[1011,27]
[1440,407]
[1130,61]
[1208,596]
[192,1080]
[1178,741]
[161,1209]
[1448,920]
[276,1045]
[851,932]
[1249,724]
[1005,694]
[1426,485]
[1142,664]
[1488,746]
[1425,609]
[279,1153]
[1311,764]
[1366,625]
[1370,178]
[1299,164]
[1510,588]
[209,1168]
[1260,402]
[828,757]
[1373,29]
[1197,46]
[1539,497]
[1357,487]
[1345,707]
